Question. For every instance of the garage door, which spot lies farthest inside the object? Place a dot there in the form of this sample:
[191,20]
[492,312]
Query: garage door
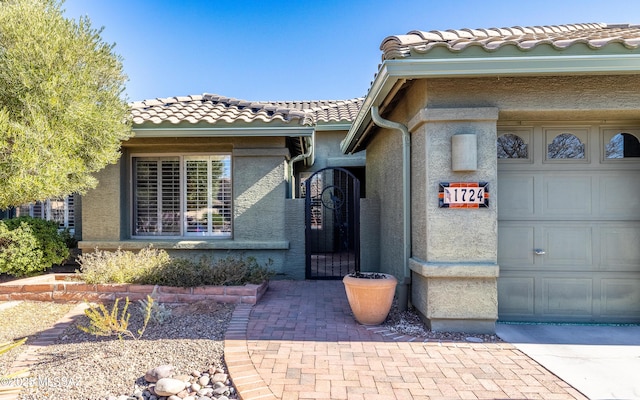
[569,224]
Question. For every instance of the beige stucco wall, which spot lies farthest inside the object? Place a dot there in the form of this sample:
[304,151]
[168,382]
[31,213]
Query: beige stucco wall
[556,98]
[454,251]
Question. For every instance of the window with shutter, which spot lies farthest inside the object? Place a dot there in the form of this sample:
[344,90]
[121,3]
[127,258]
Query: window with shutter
[182,196]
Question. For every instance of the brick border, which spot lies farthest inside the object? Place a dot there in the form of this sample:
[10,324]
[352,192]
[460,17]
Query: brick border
[56,287]
[244,375]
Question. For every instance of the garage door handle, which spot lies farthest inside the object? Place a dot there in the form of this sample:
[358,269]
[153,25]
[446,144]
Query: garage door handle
[539,252]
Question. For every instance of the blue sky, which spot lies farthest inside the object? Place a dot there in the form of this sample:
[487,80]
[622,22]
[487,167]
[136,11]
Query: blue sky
[295,50]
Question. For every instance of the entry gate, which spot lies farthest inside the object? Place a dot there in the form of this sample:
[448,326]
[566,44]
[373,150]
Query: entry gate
[332,224]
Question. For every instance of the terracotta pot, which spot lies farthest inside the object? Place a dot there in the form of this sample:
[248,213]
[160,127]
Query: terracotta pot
[370,299]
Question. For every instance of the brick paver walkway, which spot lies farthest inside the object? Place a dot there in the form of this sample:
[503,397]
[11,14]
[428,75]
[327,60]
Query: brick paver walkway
[301,342]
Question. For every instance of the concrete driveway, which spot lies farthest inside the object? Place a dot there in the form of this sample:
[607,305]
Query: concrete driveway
[602,362]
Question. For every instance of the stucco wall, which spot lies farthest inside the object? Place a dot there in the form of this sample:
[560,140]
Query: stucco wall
[294,263]
[384,186]
[101,206]
[259,192]
[562,98]
[454,251]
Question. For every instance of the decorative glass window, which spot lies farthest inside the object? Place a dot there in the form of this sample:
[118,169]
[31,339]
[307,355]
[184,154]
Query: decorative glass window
[512,146]
[182,196]
[565,146]
[60,210]
[622,145]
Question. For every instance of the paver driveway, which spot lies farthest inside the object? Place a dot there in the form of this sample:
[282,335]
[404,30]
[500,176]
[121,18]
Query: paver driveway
[301,342]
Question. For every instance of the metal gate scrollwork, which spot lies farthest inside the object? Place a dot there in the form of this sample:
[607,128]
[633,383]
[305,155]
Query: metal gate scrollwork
[332,224]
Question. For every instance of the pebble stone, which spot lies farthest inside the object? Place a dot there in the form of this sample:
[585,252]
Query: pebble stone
[210,384]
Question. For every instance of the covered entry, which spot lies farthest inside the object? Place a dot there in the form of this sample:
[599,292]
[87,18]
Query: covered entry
[569,223]
[332,224]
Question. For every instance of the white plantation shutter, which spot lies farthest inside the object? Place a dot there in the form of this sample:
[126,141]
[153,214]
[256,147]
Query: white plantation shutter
[208,196]
[170,197]
[60,210]
[157,196]
[178,196]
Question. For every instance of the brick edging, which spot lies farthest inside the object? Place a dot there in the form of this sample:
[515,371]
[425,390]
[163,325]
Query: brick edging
[65,291]
[29,356]
[244,375]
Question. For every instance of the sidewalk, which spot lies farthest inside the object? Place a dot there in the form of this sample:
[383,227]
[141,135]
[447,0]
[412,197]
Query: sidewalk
[301,342]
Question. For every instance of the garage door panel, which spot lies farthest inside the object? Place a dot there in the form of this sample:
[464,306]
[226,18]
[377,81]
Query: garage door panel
[583,215]
[515,245]
[567,195]
[568,246]
[620,195]
[516,197]
[570,297]
[516,296]
[620,248]
[620,297]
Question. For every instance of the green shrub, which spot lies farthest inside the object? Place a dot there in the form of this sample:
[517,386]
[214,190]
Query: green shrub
[155,267]
[182,272]
[233,270]
[35,242]
[120,266]
[20,254]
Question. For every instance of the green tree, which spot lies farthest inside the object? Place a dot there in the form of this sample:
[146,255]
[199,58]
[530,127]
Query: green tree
[63,114]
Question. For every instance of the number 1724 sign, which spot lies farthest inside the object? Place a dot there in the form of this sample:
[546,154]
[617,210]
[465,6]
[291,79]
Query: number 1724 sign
[463,194]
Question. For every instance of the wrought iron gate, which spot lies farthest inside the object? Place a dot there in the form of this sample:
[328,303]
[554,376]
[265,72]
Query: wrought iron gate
[332,224]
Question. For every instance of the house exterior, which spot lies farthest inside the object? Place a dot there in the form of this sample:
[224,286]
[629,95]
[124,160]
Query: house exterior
[519,175]
[494,172]
[208,175]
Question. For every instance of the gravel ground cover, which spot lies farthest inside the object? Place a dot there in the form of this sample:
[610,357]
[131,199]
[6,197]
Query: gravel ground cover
[26,319]
[82,366]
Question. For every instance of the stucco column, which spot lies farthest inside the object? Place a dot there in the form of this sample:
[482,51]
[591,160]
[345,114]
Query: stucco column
[454,250]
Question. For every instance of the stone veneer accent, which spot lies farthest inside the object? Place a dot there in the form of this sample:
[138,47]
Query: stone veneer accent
[55,287]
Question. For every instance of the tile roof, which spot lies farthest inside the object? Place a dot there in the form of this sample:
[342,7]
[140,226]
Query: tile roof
[215,109]
[560,37]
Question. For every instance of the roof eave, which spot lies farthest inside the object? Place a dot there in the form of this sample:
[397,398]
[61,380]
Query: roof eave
[213,131]
[415,68]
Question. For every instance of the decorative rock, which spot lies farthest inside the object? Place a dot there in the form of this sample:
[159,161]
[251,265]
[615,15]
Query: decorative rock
[173,397]
[157,373]
[169,386]
[221,390]
[217,385]
[183,378]
[196,373]
[474,339]
[204,380]
[205,392]
[219,377]
[195,387]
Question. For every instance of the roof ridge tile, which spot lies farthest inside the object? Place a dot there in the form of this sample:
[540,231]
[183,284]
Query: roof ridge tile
[560,37]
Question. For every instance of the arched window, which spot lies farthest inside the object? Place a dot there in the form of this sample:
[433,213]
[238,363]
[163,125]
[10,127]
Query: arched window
[622,145]
[565,145]
[512,146]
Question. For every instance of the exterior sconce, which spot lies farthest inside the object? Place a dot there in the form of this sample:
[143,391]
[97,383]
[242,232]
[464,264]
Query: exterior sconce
[464,152]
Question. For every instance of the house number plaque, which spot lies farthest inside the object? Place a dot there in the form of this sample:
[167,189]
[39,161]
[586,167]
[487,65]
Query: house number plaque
[463,194]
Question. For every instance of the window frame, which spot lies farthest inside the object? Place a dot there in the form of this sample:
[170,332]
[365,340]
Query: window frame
[524,133]
[580,132]
[609,132]
[46,211]
[227,160]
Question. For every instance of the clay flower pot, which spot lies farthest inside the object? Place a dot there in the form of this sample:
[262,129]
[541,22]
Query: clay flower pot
[370,296]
